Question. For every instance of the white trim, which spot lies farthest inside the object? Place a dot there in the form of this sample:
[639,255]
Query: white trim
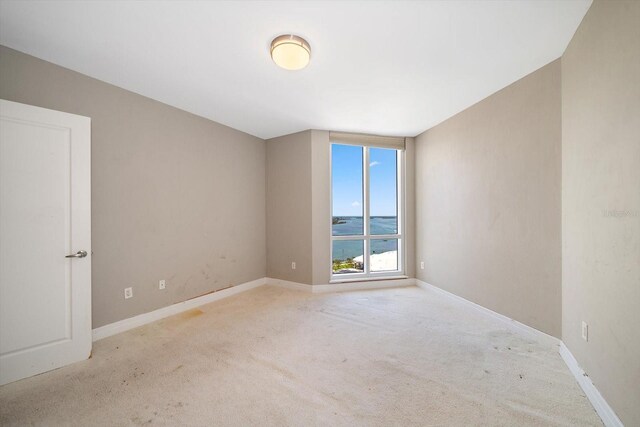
[294,286]
[608,416]
[330,229]
[142,319]
[366,215]
[514,325]
[342,287]
[362,285]
[381,276]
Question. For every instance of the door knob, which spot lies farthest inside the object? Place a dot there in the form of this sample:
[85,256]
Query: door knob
[79,254]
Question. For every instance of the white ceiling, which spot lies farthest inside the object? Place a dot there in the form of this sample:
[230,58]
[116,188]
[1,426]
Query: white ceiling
[381,67]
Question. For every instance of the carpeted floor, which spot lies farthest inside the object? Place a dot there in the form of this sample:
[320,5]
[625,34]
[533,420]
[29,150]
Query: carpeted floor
[278,357]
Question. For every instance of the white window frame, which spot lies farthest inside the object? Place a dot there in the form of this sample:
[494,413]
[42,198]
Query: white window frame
[367,274]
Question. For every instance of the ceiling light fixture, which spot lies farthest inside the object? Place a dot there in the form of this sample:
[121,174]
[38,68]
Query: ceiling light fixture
[290,52]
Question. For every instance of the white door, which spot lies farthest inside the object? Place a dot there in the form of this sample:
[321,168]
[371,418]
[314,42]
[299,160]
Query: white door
[45,215]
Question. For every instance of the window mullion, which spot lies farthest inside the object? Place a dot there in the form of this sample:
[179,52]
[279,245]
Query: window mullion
[400,208]
[366,218]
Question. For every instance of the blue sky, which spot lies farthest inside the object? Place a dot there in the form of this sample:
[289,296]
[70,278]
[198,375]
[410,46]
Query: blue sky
[346,165]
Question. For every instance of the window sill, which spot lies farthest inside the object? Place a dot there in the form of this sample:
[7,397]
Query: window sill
[368,279]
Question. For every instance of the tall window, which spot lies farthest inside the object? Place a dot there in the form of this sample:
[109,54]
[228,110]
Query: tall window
[366,231]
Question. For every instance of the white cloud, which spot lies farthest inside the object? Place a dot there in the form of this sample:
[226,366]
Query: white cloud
[374,163]
[355,204]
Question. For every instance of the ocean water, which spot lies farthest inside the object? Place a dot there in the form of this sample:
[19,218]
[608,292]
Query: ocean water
[353,225]
[343,249]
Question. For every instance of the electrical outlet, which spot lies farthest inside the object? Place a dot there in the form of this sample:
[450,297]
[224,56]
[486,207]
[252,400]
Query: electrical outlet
[293,265]
[585,331]
[162,284]
[421,265]
[128,293]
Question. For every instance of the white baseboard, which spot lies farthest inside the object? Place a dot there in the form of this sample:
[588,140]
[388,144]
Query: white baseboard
[606,413]
[608,416]
[341,287]
[514,325]
[356,286]
[142,319]
[294,286]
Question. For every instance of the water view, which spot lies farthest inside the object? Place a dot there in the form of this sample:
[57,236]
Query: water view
[348,195]
[353,225]
[348,255]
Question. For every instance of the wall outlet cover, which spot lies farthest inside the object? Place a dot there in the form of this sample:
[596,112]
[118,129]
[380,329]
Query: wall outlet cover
[128,293]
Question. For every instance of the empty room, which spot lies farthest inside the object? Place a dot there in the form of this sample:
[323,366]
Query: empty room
[320,213]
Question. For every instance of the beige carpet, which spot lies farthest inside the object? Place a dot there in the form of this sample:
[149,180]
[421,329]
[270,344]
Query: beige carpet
[277,357]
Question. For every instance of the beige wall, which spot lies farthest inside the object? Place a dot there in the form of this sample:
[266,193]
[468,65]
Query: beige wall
[410,207]
[289,207]
[175,196]
[321,206]
[601,173]
[488,202]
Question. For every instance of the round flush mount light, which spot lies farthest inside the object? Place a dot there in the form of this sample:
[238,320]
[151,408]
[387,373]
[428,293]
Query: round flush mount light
[290,52]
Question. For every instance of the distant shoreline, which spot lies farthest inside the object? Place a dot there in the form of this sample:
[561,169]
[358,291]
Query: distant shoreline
[356,217]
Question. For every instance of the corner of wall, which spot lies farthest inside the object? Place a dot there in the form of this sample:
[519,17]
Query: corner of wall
[289,205]
[321,206]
